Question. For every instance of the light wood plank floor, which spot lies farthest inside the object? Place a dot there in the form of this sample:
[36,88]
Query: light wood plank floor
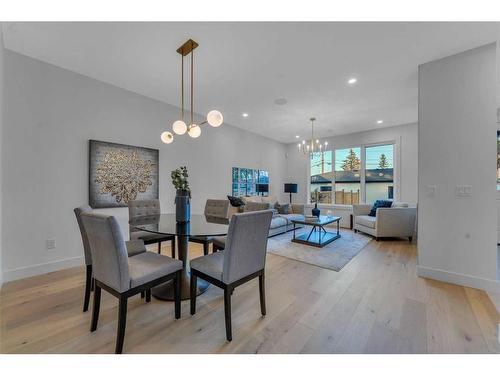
[376,304]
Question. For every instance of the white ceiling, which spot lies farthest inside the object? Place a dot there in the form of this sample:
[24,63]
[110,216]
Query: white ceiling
[244,67]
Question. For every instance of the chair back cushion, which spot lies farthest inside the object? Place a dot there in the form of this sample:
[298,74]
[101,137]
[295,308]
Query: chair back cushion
[138,208]
[255,206]
[217,208]
[86,247]
[246,245]
[109,252]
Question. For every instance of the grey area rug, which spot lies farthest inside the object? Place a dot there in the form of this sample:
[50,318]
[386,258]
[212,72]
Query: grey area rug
[333,256]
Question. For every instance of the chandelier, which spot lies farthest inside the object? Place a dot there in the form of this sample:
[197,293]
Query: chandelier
[311,146]
[214,118]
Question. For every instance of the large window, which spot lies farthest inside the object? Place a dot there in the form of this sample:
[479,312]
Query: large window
[321,177]
[347,181]
[248,182]
[343,176]
[379,172]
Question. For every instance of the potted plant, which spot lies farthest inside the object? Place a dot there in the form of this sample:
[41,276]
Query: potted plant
[183,194]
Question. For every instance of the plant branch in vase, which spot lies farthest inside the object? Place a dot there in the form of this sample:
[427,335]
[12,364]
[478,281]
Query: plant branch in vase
[183,194]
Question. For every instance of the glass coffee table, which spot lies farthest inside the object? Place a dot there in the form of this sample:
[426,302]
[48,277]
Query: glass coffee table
[318,236]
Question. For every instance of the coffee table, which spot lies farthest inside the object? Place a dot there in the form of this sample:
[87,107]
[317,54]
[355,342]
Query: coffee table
[318,236]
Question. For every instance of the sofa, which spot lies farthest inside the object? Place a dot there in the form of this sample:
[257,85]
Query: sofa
[395,221]
[280,223]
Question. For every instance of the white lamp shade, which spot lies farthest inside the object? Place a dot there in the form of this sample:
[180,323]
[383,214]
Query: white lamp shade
[214,118]
[167,137]
[194,131]
[179,127]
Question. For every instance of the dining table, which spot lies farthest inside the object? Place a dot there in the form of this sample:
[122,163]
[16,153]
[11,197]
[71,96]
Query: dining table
[166,224]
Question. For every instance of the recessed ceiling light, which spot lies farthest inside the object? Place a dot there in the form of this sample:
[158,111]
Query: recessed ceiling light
[352,81]
[297,136]
[380,121]
[245,114]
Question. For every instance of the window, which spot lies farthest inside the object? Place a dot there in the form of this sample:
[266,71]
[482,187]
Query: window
[321,177]
[356,174]
[347,175]
[379,173]
[246,182]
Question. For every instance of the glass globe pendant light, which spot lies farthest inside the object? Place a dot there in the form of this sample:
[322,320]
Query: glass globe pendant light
[214,117]
[179,127]
[167,137]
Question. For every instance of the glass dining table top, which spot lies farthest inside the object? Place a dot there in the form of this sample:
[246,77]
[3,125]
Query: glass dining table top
[199,225]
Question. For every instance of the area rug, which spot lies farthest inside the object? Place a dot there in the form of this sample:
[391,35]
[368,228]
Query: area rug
[333,256]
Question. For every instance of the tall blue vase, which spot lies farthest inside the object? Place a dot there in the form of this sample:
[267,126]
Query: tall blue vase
[315,210]
[182,206]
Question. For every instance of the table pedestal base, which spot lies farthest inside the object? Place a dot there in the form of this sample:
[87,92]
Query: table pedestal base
[165,291]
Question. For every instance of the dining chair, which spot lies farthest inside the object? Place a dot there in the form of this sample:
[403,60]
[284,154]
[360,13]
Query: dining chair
[218,243]
[133,248]
[216,211]
[243,259]
[121,275]
[138,208]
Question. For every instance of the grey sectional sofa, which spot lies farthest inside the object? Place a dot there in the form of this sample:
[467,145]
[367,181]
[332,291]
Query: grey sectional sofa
[280,223]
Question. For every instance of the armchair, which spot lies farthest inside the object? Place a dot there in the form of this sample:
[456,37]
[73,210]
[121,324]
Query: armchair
[396,221]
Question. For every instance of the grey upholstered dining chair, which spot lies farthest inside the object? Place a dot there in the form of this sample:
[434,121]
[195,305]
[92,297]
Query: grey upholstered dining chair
[216,210]
[138,208]
[243,259]
[133,248]
[121,275]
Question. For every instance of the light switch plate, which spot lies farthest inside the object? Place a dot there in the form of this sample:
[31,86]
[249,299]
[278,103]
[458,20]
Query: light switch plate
[431,190]
[50,244]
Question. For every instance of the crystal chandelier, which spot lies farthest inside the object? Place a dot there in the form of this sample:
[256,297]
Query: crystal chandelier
[311,146]
[214,117]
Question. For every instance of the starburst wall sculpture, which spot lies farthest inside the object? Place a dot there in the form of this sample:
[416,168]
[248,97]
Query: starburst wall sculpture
[120,173]
[123,175]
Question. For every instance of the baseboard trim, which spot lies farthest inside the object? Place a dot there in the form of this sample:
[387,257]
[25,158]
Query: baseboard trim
[459,279]
[40,269]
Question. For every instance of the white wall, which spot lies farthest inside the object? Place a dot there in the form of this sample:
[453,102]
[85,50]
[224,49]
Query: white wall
[1,132]
[457,146]
[405,158]
[51,114]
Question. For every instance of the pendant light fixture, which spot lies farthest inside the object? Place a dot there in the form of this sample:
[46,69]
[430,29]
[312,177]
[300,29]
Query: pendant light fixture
[311,146]
[179,127]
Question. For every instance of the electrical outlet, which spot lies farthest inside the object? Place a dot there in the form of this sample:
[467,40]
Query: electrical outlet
[50,244]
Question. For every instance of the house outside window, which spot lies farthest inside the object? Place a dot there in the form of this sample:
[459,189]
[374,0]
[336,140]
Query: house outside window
[353,175]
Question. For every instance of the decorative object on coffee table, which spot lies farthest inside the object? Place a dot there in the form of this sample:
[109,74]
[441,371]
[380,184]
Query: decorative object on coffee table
[183,194]
[315,211]
[290,188]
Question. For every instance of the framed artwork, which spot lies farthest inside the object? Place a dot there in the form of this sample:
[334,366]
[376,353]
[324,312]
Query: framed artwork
[121,173]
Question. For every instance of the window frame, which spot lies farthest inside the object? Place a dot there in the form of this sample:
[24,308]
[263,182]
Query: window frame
[396,165]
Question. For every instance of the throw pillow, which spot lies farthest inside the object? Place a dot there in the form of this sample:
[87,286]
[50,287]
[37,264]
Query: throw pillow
[235,201]
[379,204]
[283,209]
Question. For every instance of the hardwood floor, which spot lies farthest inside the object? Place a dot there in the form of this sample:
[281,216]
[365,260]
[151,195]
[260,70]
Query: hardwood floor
[376,304]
